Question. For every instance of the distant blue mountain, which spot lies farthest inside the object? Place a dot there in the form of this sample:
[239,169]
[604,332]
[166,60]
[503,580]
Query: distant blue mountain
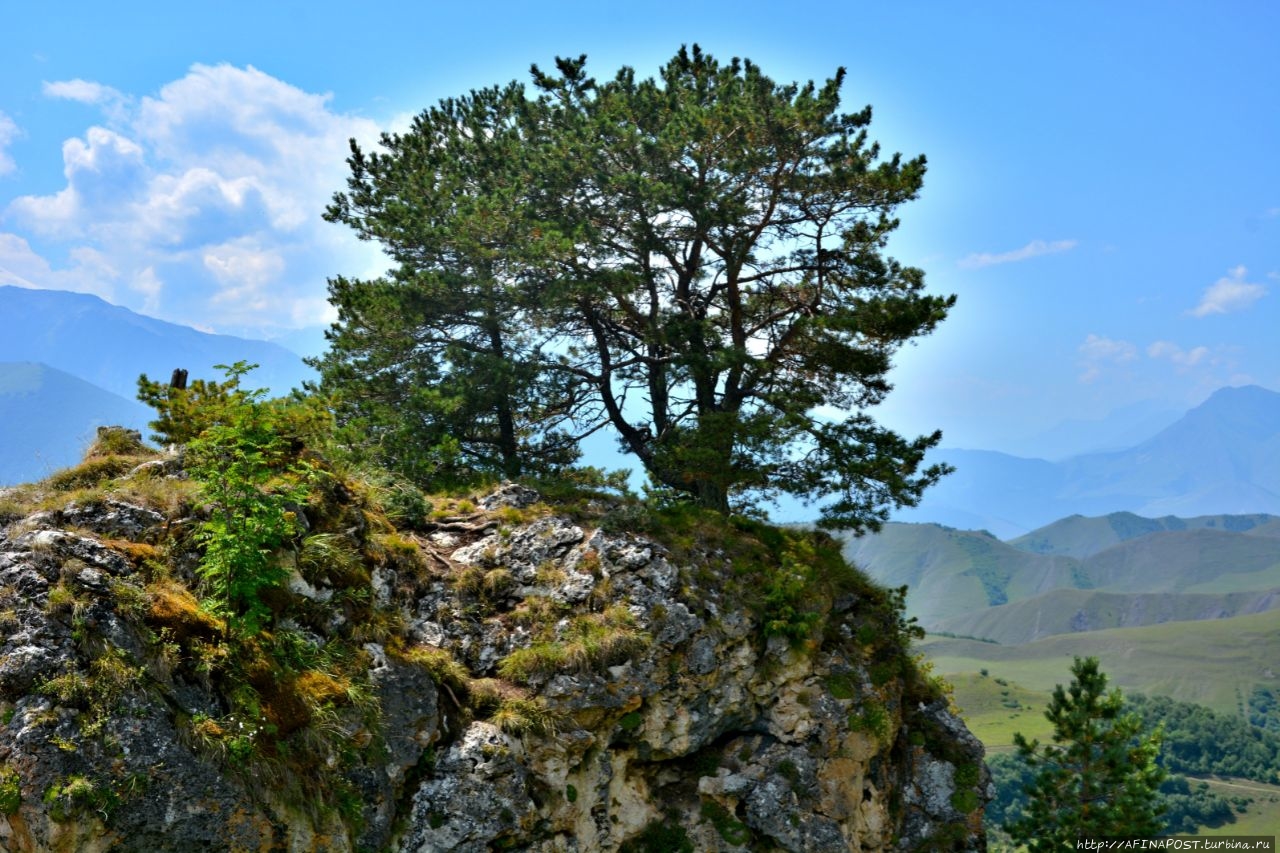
[109,346]
[1221,457]
[1121,428]
[48,418]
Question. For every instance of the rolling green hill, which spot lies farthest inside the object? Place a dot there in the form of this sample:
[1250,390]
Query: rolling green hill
[971,584]
[1195,561]
[994,708]
[1083,536]
[1064,611]
[949,572]
[1215,662]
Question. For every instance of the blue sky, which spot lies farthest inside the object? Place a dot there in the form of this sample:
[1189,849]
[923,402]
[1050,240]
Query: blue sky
[1103,190]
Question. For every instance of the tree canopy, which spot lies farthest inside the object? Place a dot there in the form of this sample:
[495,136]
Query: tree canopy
[695,261]
[1099,778]
[438,361]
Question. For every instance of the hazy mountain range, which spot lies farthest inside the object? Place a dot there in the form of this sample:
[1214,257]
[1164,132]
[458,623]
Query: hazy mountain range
[1120,428]
[70,362]
[1079,574]
[47,417]
[1223,456]
[108,346]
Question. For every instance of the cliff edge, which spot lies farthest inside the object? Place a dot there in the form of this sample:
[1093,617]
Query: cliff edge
[510,670]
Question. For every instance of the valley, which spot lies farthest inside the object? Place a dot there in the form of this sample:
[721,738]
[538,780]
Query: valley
[995,707]
[1162,561]
[1078,574]
[1185,608]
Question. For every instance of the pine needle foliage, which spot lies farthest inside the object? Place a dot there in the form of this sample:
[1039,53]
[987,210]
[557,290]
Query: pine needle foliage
[1099,778]
[693,261]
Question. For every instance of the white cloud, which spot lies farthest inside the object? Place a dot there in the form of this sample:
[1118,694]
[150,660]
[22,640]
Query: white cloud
[112,102]
[1176,354]
[202,202]
[245,123]
[103,171]
[1097,353]
[89,271]
[1201,367]
[147,284]
[8,133]
[1034,249]
[83,91]
[244,270]
[94,262]
[241,261]
[1229,293]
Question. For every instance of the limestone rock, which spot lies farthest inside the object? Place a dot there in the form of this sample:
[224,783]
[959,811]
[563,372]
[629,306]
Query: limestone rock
[116,519]
[477,794]
[652,702]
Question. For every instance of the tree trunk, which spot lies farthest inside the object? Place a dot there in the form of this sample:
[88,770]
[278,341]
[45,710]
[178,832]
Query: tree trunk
[712,495]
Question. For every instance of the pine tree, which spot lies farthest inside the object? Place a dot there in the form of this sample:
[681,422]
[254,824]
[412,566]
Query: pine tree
[696,261]
[436,364]
[1098,778]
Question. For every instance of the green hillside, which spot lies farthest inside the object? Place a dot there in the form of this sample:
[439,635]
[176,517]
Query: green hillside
[1203,560]
[955,571]
[1262,816]
[971,584]
[994,708]
[1215,663]
[1064,611]
[1083,536]
[1271,527]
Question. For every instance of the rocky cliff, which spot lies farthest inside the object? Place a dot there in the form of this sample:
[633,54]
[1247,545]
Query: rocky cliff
[504,671]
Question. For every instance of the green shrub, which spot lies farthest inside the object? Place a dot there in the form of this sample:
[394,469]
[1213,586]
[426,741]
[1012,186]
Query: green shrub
[965,798]
[10,790]
[789,591]
[404,503]
[630,722]
[77,794]
[245,459]
[841,686]
[872,719]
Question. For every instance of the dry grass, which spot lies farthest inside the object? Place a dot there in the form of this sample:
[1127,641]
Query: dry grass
[172,606]
[519,716]
[587,643]
[117,441]
[445,670]
[93,471]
